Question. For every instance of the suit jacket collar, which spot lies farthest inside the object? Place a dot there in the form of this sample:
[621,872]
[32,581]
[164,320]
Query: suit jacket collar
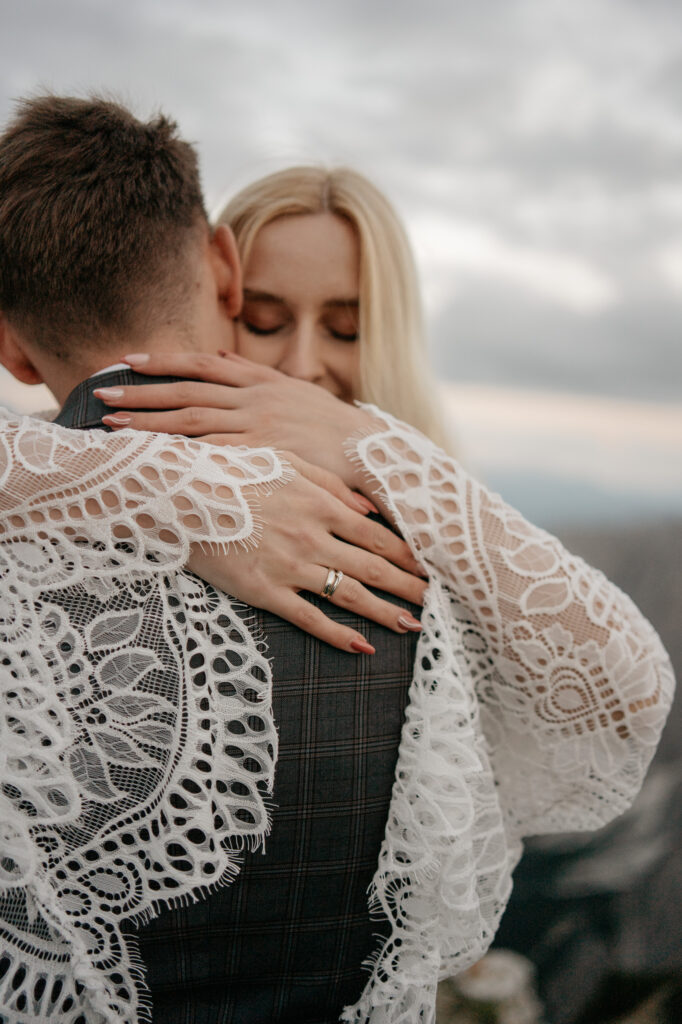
[82,410]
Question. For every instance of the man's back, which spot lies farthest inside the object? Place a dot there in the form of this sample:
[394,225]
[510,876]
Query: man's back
[286,941]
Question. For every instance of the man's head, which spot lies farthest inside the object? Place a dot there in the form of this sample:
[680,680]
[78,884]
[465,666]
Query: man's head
[104,241]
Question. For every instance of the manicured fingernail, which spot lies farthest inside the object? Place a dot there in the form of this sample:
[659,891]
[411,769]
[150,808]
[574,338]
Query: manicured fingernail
[362,647]
[409,622]
[116,419]
[108,394]
[359,505]
[137,359]
[368,505]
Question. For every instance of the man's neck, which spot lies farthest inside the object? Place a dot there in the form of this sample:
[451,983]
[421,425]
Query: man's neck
[62,378]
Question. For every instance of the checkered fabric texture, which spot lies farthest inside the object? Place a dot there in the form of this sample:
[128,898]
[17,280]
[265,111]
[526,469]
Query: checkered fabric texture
[286,941]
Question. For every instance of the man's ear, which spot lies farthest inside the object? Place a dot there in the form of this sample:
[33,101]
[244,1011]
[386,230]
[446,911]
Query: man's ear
[15,357]
[227,269]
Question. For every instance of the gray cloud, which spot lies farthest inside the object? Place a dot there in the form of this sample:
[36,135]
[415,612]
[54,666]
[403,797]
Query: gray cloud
[554,127]
[495,335]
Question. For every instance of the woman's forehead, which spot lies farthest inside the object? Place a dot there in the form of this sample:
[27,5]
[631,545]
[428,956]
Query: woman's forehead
[296,252]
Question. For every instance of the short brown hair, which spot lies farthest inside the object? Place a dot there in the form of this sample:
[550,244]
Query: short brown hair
[96,210]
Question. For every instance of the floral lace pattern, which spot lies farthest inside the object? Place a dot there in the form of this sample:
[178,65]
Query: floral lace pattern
[137,743]
[538,698]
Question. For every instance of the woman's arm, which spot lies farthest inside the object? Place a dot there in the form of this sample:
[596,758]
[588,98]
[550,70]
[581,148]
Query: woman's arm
[578,685]
[574,686]
[539,692]
[224,513]
[232,401]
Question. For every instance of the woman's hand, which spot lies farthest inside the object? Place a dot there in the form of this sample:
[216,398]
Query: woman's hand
[230,400]
[306,531]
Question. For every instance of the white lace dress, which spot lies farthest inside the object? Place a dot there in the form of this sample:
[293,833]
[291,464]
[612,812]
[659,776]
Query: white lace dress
[137,745]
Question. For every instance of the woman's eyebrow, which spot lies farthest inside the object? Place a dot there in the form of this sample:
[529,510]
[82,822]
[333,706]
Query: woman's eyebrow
[343,303]
[257,296]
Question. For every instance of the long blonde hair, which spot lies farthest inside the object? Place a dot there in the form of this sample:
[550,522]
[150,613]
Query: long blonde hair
[393,366]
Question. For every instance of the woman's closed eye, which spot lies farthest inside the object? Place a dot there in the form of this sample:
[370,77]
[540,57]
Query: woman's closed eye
[342,323]
[261,331]
[263,318]
[264,325]
[343,336]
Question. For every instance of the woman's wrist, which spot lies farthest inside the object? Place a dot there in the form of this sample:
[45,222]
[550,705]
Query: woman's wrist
[357,474]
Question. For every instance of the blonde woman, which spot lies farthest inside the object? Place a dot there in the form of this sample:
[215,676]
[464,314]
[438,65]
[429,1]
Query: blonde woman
[392,362]
[538,689]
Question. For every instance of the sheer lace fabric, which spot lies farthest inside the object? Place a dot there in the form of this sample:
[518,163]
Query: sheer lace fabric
[137,738]
[137,743]
[538,698]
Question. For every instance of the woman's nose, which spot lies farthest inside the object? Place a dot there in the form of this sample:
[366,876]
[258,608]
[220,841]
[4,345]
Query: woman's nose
[301,358]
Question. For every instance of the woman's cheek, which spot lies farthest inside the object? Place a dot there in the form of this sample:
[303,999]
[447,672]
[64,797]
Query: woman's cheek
[347,368]
[260,350]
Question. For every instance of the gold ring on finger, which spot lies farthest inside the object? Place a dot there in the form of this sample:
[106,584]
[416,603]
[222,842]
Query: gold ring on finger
[334,577]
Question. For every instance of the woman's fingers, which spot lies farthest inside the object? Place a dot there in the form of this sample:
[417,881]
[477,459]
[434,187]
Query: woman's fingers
[296,545]
[254,580]
[201,366]
[192,422]
[351,594]
[310,619]
[331,483]
[372,536]
[373,570]
[177,395]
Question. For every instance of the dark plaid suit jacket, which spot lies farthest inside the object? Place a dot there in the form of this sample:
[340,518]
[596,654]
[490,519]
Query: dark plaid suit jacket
[285,943]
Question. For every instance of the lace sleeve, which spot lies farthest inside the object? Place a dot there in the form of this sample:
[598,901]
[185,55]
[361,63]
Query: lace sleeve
[578,683]
[158,493]
[137,746]
[538,697]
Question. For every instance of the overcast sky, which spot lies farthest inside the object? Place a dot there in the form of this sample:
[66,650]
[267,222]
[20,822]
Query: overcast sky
[534,148]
